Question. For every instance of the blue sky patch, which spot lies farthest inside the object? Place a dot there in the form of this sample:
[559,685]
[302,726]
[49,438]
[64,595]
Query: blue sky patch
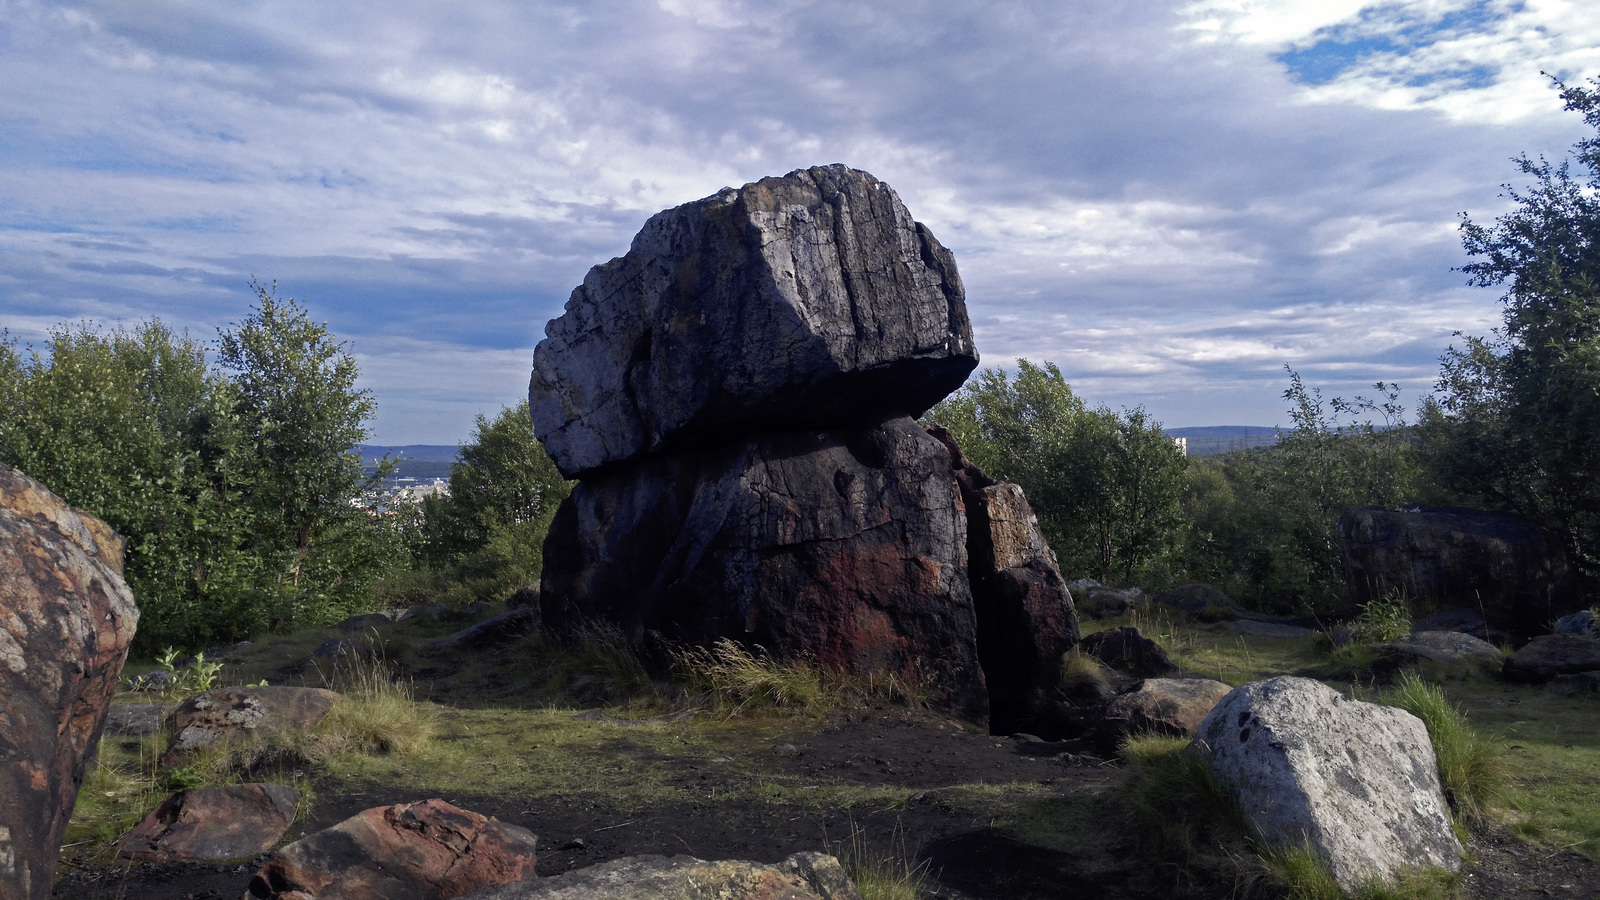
[1394,30]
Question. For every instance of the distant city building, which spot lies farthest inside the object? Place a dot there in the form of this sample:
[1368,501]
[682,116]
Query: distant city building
[1182,443]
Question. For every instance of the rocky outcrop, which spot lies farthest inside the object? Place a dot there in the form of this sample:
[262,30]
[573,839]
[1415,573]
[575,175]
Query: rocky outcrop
[803,876]
[1509,567]
[243,712]
[1171,706]
[845,547]
[412,851]
[1550,655]
[216,823]
[807,301]
[737,398]
[1440,655]
[66,617]
[1357,782]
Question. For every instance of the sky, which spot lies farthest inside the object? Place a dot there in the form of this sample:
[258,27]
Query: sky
[1171,200]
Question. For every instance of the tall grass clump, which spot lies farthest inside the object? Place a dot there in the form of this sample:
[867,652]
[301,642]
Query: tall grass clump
[1177,805]
[1472,768]
[593,662]
[376,714]
[886,875]
[739,680]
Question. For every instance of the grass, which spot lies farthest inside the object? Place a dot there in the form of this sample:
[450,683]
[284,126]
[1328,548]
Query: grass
[882,875]
[739,680]
[1472,767]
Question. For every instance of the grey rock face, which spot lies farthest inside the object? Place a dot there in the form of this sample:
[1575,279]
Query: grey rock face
[803,876]
[804,301]
[1442,655]
[1358,781]
[1174,706]
[1550,655]
[846,547]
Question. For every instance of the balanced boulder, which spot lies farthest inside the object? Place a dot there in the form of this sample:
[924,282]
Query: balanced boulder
[1356,782]
[68,618]
[806,301]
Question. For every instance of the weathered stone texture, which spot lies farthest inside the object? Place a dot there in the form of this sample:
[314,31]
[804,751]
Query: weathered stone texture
[1550,655]
[1441,655]
[1356,781]
[803,876]
[428,850]
[66,618]
[1172,706]
[243,712]
[1509,567]
[216,823]
[847,547]
[798,302]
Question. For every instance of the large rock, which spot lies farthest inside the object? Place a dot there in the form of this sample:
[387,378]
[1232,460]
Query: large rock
[807,301]
[1441,655]
[1509,567]
[66,617]
[1550,655]
[412,851]
[803,876]
[846,547]
[215,823]
[244,712]
[1127,650]
[1026,620]
[1171,706]
[1356,781]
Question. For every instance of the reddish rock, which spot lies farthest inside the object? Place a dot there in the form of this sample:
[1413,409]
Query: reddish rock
[1547,656]
[1127,650]
[1508,566]
[845,547]
[215,823]
[239,712]
[1174,706]
[416,851]
[66,617]
[803,876]
[1026,620]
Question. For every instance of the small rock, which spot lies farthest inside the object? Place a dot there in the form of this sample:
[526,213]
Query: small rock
[526,596]
[215,823]
[1108,603]
[1357,781]
[1441,655]
[785,749]
[493,632]
[425,612]
[478,609]
[419,850]
[1547,656]
[1080,588]
[1466,621]
[1174,706]
[1126,649]
[136,719]
[231,713]
[356,624]
[1271,629]
[1581,622]
[803,876]
[1202,601]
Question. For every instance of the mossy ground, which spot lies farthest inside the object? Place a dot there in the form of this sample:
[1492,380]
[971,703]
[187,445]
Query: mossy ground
[601,762]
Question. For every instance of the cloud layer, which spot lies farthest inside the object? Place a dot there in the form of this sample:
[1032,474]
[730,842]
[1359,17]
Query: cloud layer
[1170,200]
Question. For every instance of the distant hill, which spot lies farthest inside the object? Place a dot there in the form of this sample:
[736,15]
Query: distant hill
[1205,440]
[415,460]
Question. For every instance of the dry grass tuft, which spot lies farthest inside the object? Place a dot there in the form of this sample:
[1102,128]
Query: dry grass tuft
[739,680]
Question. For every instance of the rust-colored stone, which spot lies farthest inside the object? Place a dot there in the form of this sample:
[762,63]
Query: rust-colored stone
[216,823]
[428,850]
[66,618]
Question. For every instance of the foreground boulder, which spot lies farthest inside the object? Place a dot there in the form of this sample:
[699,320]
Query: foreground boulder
[807,301]
[1550,655]
[238,713]
[1357,782]
[846,547]
[413,851]
[215,823]
[68,618]
[803,876]
[1508,566]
